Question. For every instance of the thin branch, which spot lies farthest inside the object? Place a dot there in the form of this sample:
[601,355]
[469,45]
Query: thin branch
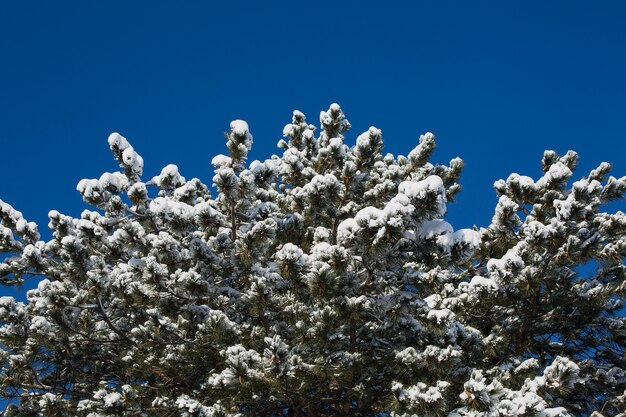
[110,323]
[63,391]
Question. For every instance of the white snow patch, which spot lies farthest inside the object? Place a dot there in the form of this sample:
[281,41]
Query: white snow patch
[239,127]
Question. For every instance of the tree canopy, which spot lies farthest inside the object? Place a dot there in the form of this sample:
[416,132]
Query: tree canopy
[320,282]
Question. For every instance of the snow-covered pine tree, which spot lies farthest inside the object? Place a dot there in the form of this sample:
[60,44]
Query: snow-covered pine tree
[323,282]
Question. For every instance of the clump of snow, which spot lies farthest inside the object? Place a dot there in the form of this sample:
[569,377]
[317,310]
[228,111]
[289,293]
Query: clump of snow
[239,143]
[439,228]
[562,372]
[505,214]
[564,207]
[41,325]
[558,172]
[169,178]
[348,230]
[292,255]
[468,237]
[125,153]
[478,287]
[364,140]
[170,171]
[239,127]
[336,146]
[93,189]
[408,356]
[172,210]
[430,228]
[242,363]
[221,160]
[6,210]
[538,231]
[465,240]
[393,215]
[334,115]
[431,187]
[504,269]
[522,182]
[421,152]
[112,399]
[420,395]
[440,316]
[321,184]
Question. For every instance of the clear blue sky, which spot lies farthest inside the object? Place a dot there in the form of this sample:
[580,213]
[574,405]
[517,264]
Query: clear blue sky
[497,82]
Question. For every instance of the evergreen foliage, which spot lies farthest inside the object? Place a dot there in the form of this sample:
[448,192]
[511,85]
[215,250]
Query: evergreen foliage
[323,282]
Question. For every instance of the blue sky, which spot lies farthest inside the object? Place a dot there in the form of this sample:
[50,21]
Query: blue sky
[497,82]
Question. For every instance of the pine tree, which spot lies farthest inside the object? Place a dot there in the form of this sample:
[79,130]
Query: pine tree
[322,282]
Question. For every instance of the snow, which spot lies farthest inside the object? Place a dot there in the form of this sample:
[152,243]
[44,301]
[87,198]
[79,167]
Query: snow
[170,170]
[506,213]
[241,363]
[41,325]
[10,212]
[393,215]
[112,399]
[602,169]
[420,395]
[288,130]
[440,316]
[321,234]
[87,187]
[430,228]
[326,117]
[169,177]
[358,303]
[502,270]
[369,217]
[115,139]
[467,240]
[239,127]
[348,230]
[280,299]
[558,172]
[171,209]
[482,282]
[320,183]
[528,364]
[426,143]
[422,190]
[138,190]
[364,139]
[291,254]
[562,373]
[468,237]
[6,234]
[539,231]
[433,300]
[564,207]
[337,147]
[478,287]
[129,157]
[440,229]
[115,181]
[221,160]
[441,355]
[522,181]
[408,356]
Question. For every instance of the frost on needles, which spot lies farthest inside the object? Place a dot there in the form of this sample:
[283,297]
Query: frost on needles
[321,282]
